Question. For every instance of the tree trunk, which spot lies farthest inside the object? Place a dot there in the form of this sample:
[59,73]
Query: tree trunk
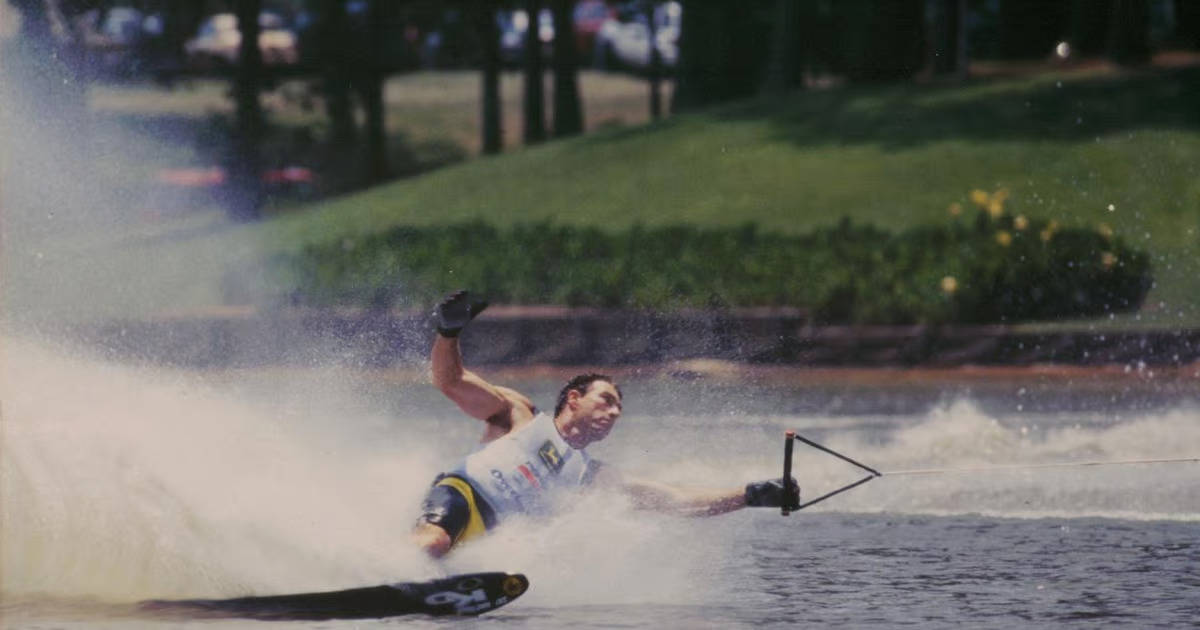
[655,71]
[337,65]
[699,52]
[244,190]
[722,55]
[1129,34]
[785,66]
[950,38]
[568,111]
[535,76]
[1029,29]
[1089,27]
[180,20]
[489,38]
[1187,24]
[374,75]
[884,39]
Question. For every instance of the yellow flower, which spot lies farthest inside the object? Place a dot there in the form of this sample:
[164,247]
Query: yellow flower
[1001,195]
[1105,231]
[995,208]
[1108,260]
[979,198]
[1004,238]
[1020,223]
[1049,232]
[955,209]
[949,285]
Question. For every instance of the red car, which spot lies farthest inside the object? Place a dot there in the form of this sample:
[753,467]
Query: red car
[589,15]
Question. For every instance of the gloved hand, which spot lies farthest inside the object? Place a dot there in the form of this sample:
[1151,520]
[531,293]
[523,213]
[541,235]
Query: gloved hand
[771,493]
[456,311]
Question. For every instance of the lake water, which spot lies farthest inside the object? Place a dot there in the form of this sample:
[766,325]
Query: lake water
[122,484]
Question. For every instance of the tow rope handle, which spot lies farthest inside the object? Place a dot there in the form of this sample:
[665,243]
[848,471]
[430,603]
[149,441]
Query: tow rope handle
[789,438]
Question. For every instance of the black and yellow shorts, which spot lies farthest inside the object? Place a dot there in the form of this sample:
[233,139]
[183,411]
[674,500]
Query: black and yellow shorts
[453,505]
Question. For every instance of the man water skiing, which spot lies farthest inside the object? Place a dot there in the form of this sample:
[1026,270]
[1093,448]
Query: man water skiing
[528,460]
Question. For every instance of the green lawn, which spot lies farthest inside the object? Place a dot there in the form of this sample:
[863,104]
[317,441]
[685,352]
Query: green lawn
[1081,148]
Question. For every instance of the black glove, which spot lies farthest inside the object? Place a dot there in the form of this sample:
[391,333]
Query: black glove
[456,311]
[771,493]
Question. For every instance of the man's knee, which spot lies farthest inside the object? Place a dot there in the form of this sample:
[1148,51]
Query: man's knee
[434,540]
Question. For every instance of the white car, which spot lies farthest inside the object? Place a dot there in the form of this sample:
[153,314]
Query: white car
[513,27]
[218,39]
[624,39]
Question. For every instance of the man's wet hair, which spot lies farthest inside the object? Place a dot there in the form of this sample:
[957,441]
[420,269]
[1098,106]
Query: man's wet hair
[581,384]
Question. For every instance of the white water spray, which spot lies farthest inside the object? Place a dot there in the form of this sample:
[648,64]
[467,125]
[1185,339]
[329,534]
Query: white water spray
[122,484]
[1010,469]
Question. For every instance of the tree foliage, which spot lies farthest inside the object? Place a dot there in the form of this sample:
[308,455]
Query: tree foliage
[728,51]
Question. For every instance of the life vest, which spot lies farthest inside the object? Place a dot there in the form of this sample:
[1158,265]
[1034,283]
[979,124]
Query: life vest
[527,471]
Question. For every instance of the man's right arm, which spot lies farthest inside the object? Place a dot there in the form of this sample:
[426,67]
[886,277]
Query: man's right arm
[499,407]
[475,396]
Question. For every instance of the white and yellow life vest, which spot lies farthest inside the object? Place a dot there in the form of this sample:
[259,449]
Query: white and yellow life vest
[527,471]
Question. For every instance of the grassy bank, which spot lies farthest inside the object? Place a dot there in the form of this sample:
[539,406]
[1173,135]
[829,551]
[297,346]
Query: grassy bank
[1080,148]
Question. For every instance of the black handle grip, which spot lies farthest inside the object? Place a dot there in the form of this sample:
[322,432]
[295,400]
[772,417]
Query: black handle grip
[789,438]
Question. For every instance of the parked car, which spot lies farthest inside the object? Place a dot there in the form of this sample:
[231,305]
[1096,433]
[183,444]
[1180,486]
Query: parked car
[114,39]
[623,41]
[438,49]
[513,27]
[590,16]
[218,39]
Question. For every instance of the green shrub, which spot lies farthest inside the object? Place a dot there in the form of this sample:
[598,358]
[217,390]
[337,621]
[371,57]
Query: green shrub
[992,267]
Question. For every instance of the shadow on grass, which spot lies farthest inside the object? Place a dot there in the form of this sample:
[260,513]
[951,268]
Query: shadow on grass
[1063,109]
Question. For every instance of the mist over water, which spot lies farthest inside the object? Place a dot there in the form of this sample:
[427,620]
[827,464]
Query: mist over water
[129,484]
[134,484]
[121,484]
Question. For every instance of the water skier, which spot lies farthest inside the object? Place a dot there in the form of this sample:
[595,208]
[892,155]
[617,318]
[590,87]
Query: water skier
[528,460]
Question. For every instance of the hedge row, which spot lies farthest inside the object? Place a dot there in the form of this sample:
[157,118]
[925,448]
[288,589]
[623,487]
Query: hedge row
[995,268]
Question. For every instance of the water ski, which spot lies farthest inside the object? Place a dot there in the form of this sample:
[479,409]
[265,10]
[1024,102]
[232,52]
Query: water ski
[467,594]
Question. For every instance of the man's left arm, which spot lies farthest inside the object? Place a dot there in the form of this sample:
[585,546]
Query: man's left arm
[700,501]
[691,501]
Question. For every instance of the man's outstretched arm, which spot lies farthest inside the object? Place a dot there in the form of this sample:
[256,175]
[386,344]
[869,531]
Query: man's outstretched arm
[660,497]
[701,501]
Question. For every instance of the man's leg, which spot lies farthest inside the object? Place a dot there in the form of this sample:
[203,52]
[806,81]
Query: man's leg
[450,515]
[432,539]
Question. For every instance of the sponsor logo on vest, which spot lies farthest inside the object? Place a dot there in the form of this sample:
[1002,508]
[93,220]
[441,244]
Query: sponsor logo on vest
[551,456]
[526,472]
[507,489]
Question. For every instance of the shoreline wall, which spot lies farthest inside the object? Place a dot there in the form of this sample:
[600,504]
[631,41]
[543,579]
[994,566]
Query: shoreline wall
[516,336]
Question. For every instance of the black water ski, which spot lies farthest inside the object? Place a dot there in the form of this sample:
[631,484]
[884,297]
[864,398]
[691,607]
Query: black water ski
[467,594]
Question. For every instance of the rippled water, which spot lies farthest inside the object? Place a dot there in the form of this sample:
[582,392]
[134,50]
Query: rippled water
[122,484]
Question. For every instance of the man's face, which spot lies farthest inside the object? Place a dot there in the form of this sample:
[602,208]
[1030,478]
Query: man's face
[595,411]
